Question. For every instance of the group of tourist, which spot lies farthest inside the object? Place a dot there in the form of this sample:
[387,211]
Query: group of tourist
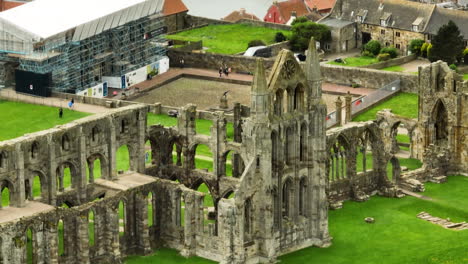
[226,71]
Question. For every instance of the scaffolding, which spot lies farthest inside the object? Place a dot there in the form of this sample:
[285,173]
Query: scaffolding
[77,65]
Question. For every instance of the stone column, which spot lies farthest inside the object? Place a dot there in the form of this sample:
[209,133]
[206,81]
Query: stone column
[338,104]
[348,99]
[51,242]
[140,146]
[82,243]
[190,231]
[112,231]
[19,200]
[52,170]
[82,166]
[112,149]
[141,222]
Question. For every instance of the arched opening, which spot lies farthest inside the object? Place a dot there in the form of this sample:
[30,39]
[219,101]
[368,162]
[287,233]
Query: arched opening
[278,102]
[303,143]
[61,241]
[232,164]
[96,167]
[150,209]
[148,153]
[248,217]
[38,187]
[6,193]
[180,210]
[203,157]
[393,170]
[177,155]
[91,228]
[364,157]
[29,247]
[299,98]
[95,134]
[65,143]
[64,177]
[287,198]
[337,160]
[229,195]
[302,196]
[122,218]
[289,148]
[440,118]
[123,158]
[34,150]
[3,159]
[28,190]
[209,211]
[123,126]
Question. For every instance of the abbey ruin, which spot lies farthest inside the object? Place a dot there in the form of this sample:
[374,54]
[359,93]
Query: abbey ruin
[288,170]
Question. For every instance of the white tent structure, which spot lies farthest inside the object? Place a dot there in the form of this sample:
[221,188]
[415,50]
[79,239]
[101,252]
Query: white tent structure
[78,42]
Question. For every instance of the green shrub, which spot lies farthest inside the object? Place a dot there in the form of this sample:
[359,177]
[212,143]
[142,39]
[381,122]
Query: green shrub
[424,49]
[453,67]
[256,42]
[383,57]
[429,48]
[280,37]
[303,30]
[367,53]
[373,47]
[390,50]
[415,46]
[465,56]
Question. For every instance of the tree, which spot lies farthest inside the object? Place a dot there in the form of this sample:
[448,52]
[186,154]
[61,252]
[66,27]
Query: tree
[303,30]
[415,46]
[373,47]
[447,45]
[280,37]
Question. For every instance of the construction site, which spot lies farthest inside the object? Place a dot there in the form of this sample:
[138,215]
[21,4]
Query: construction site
[53,45]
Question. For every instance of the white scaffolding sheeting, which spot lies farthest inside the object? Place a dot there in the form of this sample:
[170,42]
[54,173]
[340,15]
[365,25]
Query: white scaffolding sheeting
[46,18]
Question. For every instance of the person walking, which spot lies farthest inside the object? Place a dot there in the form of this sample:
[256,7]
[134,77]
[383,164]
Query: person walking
[226,71]
[182,63]
[220,72]
[60,112]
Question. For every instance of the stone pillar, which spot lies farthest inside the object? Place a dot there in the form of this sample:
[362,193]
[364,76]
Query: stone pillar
[348,109]
[190,230]
[140,146]
[141,222]
[112,149]
[51,245]
[338,112]
[52,171]
[19,200]
[82,166]
[112,231]
[82,243]
[237,122]
[218,131]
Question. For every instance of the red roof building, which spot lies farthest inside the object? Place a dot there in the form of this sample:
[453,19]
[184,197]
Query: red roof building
[238,15]
[174,12]
[280,12]
[322,6]
[172,7]
[5,5]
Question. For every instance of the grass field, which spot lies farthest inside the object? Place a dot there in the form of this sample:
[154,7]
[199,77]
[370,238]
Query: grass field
[394,69]
[465,76]
[403,104]
[228,39]
[355,61]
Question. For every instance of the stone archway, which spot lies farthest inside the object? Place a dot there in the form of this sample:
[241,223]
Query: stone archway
[440,121]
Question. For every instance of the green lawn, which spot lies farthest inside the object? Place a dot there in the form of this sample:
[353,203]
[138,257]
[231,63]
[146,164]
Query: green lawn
[166,256]
[21,118]
[397,236]
[228,39]
[403,104]
[355,61]
[394,69]
[465,76]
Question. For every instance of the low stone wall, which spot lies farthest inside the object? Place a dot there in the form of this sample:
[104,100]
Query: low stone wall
[390,63]
[237,63]
[264,24]
[196,21]
[188,45]
[368,78]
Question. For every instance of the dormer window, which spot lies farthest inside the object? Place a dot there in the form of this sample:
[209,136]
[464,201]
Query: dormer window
[385,19]
[361,16]
[359,19]
[417,24]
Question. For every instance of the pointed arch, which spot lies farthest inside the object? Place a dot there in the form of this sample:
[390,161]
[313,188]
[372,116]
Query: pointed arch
[393,170]
[7,191]
[91,228]
[288,197]
[440,121]
[299,97]
[61,235]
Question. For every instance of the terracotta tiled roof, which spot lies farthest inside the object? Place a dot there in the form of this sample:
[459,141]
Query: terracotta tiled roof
[238,15]
[173,7]
[320,4]
[9,5]
[285,8]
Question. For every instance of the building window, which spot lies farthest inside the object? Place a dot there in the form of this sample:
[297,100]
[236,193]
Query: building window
[387,44]
[415,28]
[397,46]
[382,31]
[397,34]
[359,19]
[327,46]
[383,22]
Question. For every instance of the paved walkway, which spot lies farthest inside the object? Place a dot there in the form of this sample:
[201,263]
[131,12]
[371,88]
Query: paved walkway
[11,95]
[412,66]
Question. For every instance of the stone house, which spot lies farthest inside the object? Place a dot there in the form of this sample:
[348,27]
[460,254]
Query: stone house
[391,22]
[237,15]
[281,12]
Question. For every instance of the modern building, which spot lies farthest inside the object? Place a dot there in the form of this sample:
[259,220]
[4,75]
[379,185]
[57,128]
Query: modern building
[82,46]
